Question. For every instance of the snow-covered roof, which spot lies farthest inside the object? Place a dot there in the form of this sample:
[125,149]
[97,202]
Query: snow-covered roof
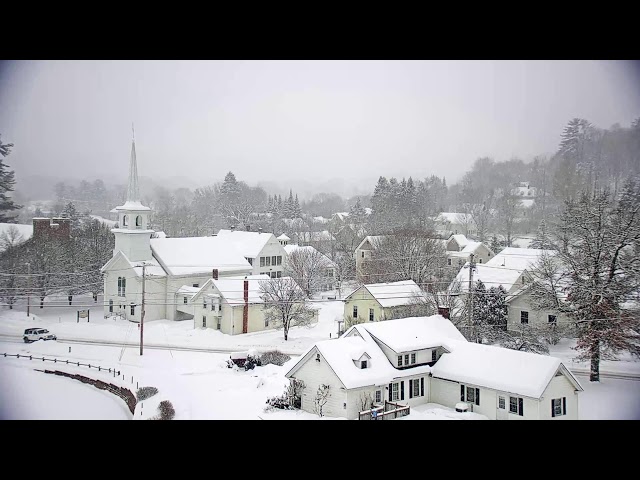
[509,371]
[283,237]
[461,240]
[250,244]
[372,239]
[152,267]
[368,210]
[195,255]
[320,219]
[341,215]
[413,333]
[323,235]
[159,234]
[130,205]
[490,275]
[232,288]
[393,294]
[527,202]
[340,353]
[187,290]
[518,258]
[453,217]
[26,231]
[293,247]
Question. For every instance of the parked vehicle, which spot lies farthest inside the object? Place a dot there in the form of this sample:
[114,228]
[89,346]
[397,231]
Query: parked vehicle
[34,334]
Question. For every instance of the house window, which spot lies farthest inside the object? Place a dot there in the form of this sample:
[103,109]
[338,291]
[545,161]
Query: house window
[553,319]
[279,260]
[501,403]
[204,303]
[516,406]
[355,311]
[133,309]
[273,260]
[524,318]
[413,358]
[267,261]
[378,396]
[406,359]
[272,274]
[138,221]
[479,260]
[371,314]
[196,285]
[317,357]
[213,307]
[394,392]
[185,299]
[278,274]
[204,321]
[262,261]
[558,407]
[416,387]
[218,325]
[473,394]
[266,322]
[399,360]
[110,306]
[220,307]
[363,364]
[122,286]
[433,355]
[125,221]
[448,261]
[362,254]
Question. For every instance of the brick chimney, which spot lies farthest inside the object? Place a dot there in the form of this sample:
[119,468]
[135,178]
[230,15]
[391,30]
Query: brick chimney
[248,228]
[214,274]
[245,308]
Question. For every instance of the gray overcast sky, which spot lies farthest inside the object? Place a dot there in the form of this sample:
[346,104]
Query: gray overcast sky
[288,120]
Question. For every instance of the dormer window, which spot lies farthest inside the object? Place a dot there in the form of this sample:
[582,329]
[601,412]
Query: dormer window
[363,364]
[317,357]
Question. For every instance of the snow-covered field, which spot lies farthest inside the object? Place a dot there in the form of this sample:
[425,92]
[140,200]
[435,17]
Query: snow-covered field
[198,383]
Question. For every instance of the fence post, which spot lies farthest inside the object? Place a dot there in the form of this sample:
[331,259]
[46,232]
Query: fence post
[18,356]
[30,357]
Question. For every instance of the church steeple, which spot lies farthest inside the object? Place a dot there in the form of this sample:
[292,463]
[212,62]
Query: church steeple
[133,192]
[133,232]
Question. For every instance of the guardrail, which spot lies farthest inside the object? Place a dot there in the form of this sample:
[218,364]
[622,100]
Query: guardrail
[65,362]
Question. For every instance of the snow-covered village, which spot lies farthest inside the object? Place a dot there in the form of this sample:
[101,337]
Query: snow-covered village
[319,240]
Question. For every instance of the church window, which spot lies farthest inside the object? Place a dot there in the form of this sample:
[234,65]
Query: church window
[139,221]
[125,220]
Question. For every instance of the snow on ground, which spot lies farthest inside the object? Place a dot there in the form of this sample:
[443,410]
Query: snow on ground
[625,364]
[434,411]
[199,384]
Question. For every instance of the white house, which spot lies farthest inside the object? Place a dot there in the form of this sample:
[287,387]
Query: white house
[379,301]
[418,360]
[456,223]
[459,249]
[364,251]
[324,264]
[263,251]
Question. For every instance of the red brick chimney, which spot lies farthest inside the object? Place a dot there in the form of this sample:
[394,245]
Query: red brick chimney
[245,308]
[215,274]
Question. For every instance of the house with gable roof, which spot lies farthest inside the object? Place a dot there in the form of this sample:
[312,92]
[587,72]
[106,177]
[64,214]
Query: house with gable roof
[263,251]
[459,249]
[418,360]
[378,301]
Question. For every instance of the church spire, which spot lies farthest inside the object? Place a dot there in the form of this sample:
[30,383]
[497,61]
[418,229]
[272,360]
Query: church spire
[133,192]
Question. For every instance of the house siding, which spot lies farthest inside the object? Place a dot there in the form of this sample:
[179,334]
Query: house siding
[559,387]
[538,318]
[314,374]
[271,248]
[364,301]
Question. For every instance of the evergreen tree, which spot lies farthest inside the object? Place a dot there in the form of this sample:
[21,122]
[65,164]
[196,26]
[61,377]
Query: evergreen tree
[297,212]
[7,182]
[542,239]
[495,245]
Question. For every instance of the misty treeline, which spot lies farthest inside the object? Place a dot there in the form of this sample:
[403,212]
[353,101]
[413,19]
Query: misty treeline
[49,263]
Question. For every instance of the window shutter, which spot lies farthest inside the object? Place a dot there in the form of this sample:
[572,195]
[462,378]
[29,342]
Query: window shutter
[422,387]
[462,393]
[553,410]
[402,390]
[564,405]
[390,391]
[410,388]
[477,396]
[520,407]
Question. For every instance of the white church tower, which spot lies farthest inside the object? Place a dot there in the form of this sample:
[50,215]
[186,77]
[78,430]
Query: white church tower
[133,237]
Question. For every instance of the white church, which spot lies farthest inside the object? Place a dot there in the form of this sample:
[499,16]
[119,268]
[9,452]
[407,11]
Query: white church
[176,269]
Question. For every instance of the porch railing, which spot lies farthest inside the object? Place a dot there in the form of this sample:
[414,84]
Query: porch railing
[388,411]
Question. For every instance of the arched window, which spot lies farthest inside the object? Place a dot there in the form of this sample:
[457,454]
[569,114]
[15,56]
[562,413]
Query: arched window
[139,221]
[122,284]
[125,221]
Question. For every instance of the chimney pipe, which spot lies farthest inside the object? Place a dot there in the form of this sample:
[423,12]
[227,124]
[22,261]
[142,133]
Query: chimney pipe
[248,227]
[245,309]
[215,274]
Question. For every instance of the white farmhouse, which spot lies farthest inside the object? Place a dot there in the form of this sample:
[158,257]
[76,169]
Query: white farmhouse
[263,251]
[456,223]
[417,360]
[459,249]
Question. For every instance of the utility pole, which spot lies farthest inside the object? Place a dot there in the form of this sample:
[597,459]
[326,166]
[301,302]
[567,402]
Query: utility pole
[470,313]
[29,291]
[142,308]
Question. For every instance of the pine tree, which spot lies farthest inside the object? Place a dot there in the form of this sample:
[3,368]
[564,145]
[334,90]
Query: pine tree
[7,182]
[297,212]
[542,239]
[495,246]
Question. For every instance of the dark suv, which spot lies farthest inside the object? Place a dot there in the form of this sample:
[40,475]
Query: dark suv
[34,334]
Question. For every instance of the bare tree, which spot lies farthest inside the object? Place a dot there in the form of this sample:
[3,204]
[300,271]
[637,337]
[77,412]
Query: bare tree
[322,396]
[508,207]
[308,267]
[366,401]
[286,304]
[10,237]
[468,224]
[482,217]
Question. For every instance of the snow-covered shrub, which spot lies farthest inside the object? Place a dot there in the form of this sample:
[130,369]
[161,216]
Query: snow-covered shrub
[252,362]
[281,402]
[349,321]
[290,399]
[275,357]
[146,392]
[167,412]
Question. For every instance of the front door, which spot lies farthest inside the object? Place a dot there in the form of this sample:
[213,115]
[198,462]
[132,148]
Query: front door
[501,407]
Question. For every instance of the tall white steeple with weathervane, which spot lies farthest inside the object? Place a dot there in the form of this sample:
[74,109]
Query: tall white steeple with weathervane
[133,236]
